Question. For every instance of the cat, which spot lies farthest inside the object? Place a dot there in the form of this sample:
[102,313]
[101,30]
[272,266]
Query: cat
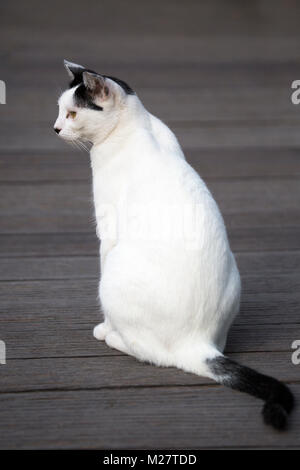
[170,287]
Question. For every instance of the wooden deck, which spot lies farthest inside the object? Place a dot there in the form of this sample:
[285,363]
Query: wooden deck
[219,73]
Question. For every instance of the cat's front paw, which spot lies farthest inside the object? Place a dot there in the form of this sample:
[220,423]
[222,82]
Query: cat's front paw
[100,331]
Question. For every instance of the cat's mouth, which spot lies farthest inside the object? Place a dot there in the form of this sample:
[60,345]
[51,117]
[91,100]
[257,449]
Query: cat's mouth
[75,141]
[63,134]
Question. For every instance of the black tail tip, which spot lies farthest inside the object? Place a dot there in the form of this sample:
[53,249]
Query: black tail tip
[275,412]
[275,415]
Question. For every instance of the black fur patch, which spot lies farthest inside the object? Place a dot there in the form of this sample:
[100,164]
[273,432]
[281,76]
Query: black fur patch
[122,84]
[84,99]
[77,80]
[278,399]
[82,96]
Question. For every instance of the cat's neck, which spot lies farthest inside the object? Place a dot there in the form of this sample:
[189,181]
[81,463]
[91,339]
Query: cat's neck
[135,137]
[133,120]
[131,116]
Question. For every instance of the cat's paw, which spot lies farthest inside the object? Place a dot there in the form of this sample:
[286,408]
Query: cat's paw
[100,331]
[114,340]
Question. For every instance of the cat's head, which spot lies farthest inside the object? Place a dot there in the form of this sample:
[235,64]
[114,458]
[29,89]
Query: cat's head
[90,109]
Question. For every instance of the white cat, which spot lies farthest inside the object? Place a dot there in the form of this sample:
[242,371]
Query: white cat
[170,287]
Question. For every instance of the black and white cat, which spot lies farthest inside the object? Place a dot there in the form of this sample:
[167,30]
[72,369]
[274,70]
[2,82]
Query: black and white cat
[170,287]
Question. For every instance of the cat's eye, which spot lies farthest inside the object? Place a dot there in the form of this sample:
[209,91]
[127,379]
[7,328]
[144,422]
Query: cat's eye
[71,114]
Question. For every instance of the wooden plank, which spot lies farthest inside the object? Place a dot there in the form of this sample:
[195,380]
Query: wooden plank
[244,163]
[267,337]
[56,318]
[33,167]
[67,207]
[221,105]
[258,239]
[147,418]
[43,336]
[201,105]
[192,19]
[40,205]
[80,267]
[264,238]
[50,334]
[83,373]
[210,163]
[265,134]
[158,49]
[267,263]
[266,300]
[168,76]
[53,244]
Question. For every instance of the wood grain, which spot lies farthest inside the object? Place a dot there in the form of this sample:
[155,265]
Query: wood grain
[123,371]
[139,418]
[260,264]
[67,207]
[209,163]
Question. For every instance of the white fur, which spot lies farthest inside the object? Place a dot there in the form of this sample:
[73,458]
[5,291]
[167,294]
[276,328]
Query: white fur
[168,295]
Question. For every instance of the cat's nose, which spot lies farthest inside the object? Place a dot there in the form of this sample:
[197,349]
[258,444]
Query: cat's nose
[57,130]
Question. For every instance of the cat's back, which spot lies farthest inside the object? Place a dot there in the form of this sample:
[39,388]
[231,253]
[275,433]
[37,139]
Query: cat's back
[168,177]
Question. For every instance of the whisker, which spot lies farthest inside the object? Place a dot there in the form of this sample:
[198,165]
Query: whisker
[79,144]
[84,146]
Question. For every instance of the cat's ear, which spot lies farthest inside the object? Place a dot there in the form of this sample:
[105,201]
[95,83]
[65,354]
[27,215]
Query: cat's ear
[73,69]
[97,85]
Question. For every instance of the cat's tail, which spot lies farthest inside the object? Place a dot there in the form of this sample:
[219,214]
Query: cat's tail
[278,398]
